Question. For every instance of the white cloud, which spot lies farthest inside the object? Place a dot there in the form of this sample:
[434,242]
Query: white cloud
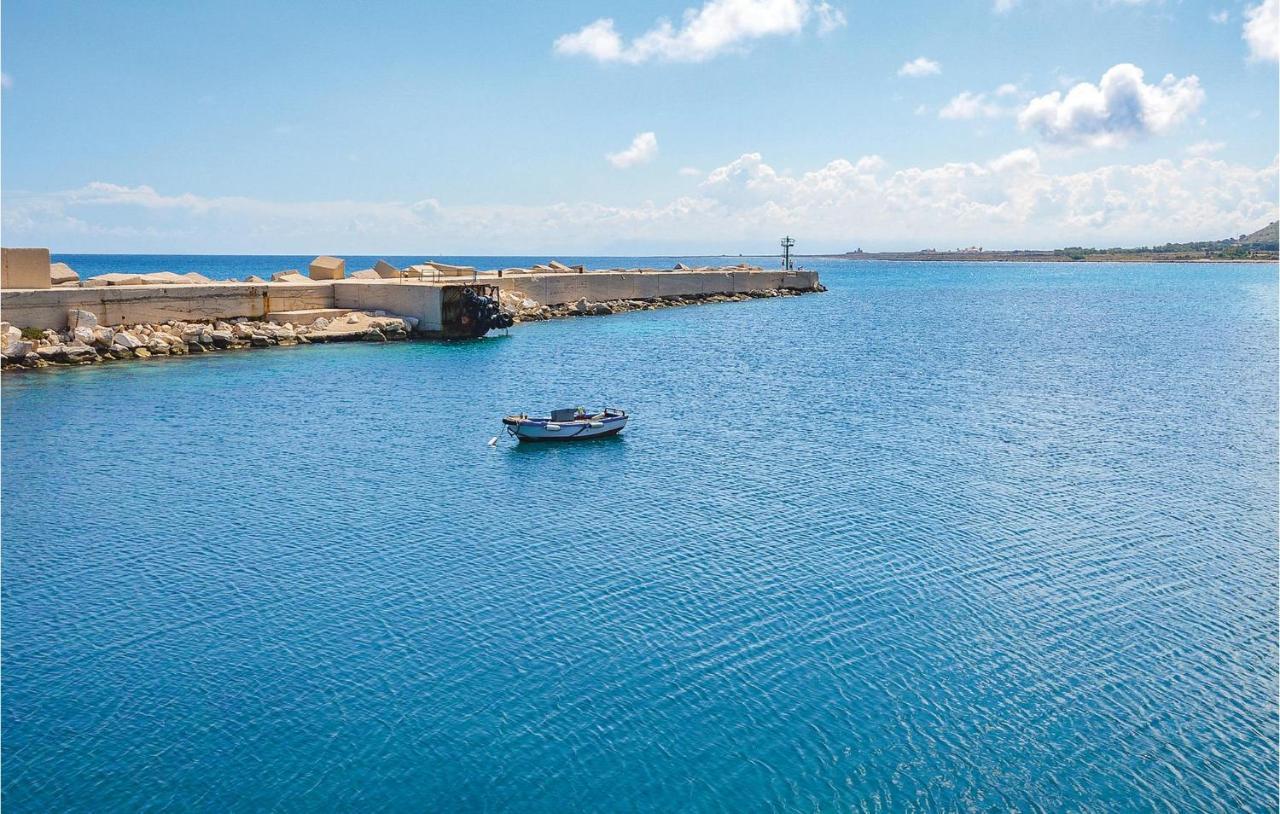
[6,81]
[1004,6]
[1120,108]
[968,105]
[1220,17]
[689,172]
[642,150]
[718,26]
[1203,149]
[830,18]
[1012,200]
[1003,101]
[1262,30]
[920,66]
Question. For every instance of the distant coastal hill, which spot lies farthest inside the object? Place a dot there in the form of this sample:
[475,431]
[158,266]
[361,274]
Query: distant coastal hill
[1261,245]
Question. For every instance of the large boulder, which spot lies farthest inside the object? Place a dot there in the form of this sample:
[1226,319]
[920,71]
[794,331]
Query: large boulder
[8,335]
[103,336]
[18,349]
[79,352]
[76,318]
[126,340]
[83,335]
[60,273]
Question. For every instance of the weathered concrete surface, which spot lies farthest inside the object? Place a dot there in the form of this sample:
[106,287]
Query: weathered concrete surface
[112,305]
[418,299]
[24,268]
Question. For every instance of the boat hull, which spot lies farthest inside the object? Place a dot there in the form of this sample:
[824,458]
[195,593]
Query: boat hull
[542,430]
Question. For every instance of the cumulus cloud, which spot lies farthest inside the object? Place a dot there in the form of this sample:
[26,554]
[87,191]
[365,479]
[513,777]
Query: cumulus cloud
[1205,148]
[1122,107]
[920,66]
[718,26]
[968,105]
[1010,200]
[642,150]
[1262,30]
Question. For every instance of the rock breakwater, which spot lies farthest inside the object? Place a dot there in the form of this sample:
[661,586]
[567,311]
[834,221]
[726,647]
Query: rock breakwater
[87,342]
[525,309]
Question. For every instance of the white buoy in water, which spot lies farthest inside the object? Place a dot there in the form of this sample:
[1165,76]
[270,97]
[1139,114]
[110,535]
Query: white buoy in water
[493,442]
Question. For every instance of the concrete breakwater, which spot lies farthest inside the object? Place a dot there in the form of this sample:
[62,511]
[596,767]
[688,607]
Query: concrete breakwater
[85,321]
[89,342]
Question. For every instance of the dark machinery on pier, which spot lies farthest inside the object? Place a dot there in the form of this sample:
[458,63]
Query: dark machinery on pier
[473,311]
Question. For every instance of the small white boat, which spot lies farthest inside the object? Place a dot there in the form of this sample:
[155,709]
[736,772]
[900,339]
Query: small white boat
[572,424]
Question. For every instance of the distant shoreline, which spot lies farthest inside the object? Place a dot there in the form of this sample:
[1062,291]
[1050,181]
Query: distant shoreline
[1037,257]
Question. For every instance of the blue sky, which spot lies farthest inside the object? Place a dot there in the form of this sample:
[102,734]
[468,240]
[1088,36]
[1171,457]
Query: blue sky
[594,127]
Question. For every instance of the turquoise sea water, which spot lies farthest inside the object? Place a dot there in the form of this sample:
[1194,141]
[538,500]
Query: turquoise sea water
[947,537]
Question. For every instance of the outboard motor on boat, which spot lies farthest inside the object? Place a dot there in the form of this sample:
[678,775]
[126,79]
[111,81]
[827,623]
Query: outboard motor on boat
[482,314]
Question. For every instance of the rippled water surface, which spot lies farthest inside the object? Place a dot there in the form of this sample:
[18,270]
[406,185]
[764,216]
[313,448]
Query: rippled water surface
[948,537]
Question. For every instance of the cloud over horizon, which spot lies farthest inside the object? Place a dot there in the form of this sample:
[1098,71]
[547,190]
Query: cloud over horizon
[717,27]
[1011,201]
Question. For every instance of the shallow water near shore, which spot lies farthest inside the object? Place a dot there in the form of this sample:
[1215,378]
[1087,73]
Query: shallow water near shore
[947,537]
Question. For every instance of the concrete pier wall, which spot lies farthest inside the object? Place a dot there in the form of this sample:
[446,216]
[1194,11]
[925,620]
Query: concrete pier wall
[116,305]
[406,299]
[132,304]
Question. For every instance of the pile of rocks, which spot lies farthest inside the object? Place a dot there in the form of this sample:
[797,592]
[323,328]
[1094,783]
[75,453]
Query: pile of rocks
[87,341]
[528,310]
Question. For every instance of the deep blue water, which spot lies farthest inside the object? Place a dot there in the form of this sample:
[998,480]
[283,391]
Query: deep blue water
[948,537]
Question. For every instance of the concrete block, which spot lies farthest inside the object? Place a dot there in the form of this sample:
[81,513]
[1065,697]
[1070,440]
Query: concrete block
[447,270]
[24,268]
[556,265]
[114,278]
[386,271]
[365,274]
[60,273]
[328,268]
[164,278]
